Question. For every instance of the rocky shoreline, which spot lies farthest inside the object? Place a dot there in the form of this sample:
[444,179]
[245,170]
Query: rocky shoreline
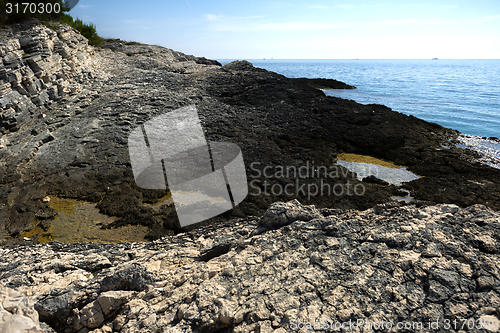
[295,265]
[72,142]
[66,110]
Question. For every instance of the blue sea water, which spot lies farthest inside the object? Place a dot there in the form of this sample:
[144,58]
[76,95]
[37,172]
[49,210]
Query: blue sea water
[459,94]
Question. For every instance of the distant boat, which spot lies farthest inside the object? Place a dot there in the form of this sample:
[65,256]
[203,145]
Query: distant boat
[435,59]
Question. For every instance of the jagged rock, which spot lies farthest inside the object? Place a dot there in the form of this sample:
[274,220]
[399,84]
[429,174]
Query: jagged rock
[41,99]
[10,99]
[17,314]
[34,63]
[111,301]
[9,46]
[345,265]
[280,214]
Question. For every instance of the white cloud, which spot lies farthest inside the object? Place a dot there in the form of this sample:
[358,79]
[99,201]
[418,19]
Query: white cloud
[492,18]
[85,6]
[232,24]
[213,17]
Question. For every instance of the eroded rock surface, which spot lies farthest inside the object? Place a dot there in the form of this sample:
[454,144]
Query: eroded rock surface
[17,314]
[40,66]
[73,144]
[388,263]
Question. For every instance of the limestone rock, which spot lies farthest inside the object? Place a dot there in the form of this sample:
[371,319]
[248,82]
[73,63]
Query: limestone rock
[32,64]
[112,300]
[17,314]
[280,214]
[344,265]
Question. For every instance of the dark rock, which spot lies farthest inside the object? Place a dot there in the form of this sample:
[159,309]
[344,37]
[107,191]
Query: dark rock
[134,277]
[238,65]
[276,121]
[55,307]
[41,99]
[374,180]
[324,83]
[214,251]
[46,214]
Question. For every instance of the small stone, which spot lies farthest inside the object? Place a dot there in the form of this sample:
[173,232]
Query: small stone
[431,251]
[405,228]
[485,282]
[225,317]
[487,311]
[314,258]
[239,316]
[112,300]
[91,315]
[46,199]
[280,214]
[180,312]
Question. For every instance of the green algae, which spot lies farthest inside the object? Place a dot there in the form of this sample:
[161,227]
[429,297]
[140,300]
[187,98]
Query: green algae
[79,222]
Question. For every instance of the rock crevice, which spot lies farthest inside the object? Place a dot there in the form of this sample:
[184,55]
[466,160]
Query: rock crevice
[397,264]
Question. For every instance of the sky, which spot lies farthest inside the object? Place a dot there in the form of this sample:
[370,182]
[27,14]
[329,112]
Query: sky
[313,29]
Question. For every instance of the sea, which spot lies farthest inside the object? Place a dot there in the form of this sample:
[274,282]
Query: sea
[459,94]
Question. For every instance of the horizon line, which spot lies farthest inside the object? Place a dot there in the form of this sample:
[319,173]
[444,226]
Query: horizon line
[271,59]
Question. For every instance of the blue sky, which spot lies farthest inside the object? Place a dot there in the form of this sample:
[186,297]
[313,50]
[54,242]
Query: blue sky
[314,29]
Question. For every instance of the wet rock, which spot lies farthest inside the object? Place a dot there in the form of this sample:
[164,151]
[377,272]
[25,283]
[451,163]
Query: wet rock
[374,180]
[46,213]
[324,83]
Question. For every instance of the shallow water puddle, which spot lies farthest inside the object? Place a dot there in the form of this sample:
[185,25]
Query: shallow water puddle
[80,221]
[365,166]
[407,198]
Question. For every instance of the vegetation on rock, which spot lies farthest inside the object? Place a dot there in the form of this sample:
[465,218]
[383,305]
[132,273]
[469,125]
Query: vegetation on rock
[51,18]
